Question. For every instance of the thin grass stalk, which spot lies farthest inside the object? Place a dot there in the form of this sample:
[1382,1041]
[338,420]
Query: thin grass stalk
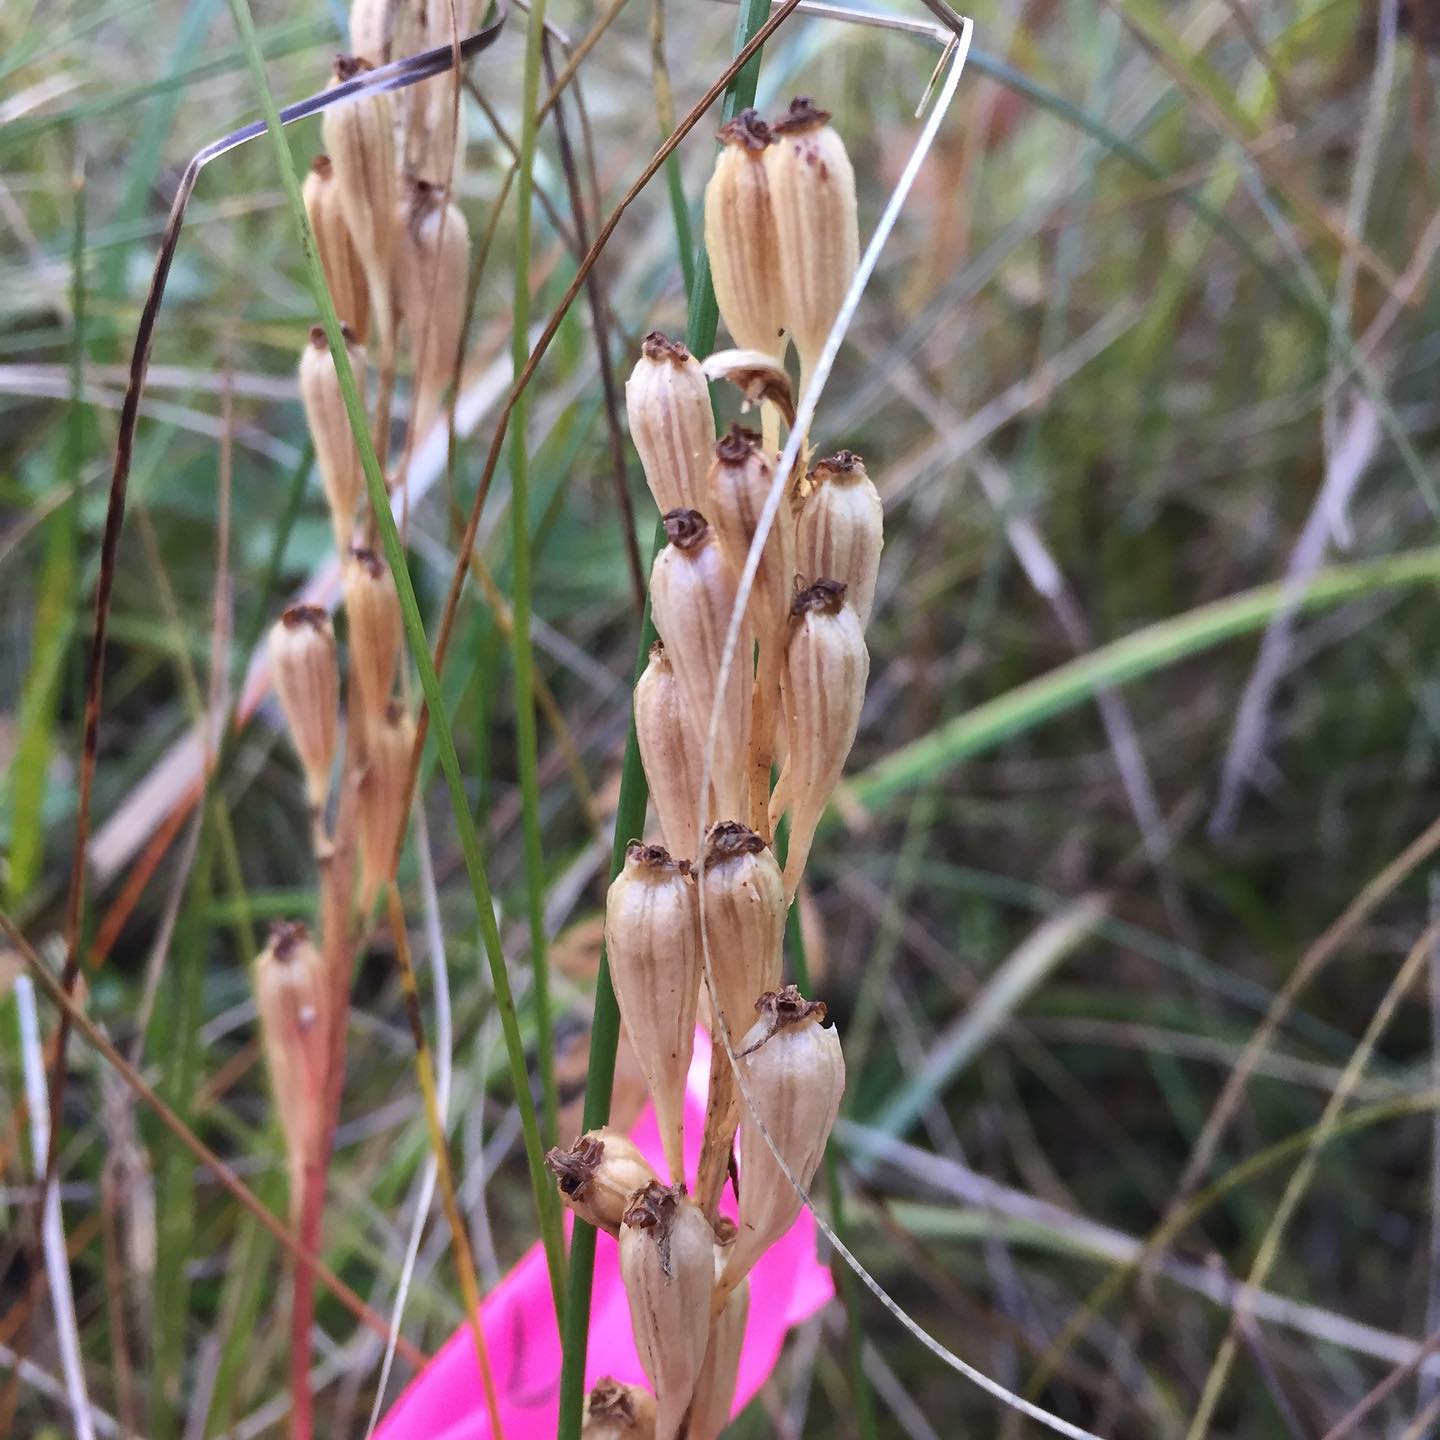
[546,1204]
[522,649]
[701,325]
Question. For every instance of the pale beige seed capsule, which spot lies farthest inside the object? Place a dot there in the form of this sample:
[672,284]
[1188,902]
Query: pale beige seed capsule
[618,1412]
[741,238]
[812,188]
[376,629]
[335,450]
[795,1075]
[433,269]
[598,1174]
[293,1000]
[715,1390]
[384,798]
[692,590]
[840,529]
[822,690]
[670,752]
[759,378]
[360,140]
[306,675]
[667,1264]
[652,936]
[372,29]
[667,401]
[344,273]
[434,149]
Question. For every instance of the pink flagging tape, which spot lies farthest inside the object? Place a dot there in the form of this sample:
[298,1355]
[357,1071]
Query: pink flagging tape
[444,1401]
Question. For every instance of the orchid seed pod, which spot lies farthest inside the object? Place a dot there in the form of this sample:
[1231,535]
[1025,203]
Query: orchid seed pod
[667,401]
[435,149]
[384,798]
[340,260]
[598,1174]
[335,450]
[692,590]
[822,688]
[840,529]
[372,29]
[293,1001]
[434,267]
[618,1412]
[715,1390]
[670,751]
[742,240]
[812,189]
[794,1074]
[667,1264]
[360,140]
[306,675]
[757,376]
[376,629]
[652,936]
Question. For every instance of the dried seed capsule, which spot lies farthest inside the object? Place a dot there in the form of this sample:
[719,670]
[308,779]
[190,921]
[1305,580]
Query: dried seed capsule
[335,450]
[434,149]
[812,189]
[757,376]
[434,265]
[307,681]
[653,939]
[618,1412]
[667,400]
[360,140]
[822,688]
[715,1389]
[384,798]
[692,589]
[598,1174]
[670,751]
[840,529]
[376,629]
[294,1007]
[372,28]
[795,1075]
[742,240]
[344,273]
[666,1261]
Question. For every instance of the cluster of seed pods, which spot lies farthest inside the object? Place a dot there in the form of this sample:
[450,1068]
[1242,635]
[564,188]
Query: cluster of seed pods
[695,927]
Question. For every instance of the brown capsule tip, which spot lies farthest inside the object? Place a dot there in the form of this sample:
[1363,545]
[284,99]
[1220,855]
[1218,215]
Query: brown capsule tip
[322,167]
[685,529]
[747,129]
[827,597]
[659,346]
[395,713]
[801,116]
[728,838]
[610,1400]
[843,465]
[738,446]
[783,1008]
[653,1206]
[654,857]
[368,561]
[725,1229]
[658,655]
[308,617]
[286,936]
[347,67]
[576,1167]
[320,341]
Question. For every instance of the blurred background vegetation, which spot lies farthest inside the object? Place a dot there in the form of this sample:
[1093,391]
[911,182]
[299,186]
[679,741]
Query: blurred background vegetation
[1147,379]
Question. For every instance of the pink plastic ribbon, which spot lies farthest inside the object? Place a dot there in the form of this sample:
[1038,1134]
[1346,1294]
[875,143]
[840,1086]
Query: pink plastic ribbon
[445,1401]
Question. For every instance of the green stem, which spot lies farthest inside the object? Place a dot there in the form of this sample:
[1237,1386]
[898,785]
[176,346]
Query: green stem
[700,330]
[526,744]
[546,1203]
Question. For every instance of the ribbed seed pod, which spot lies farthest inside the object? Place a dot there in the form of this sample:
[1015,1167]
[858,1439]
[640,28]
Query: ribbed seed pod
[434,150]
[741,238]
[652,936]
[812,189]
[692,590]
[667,400]
[715,1390]
[372,27]
[376,629]
[360,140]
[344,273]
[384,797]
[822,689]
[618,1412]
[335,450]
[433,271]
[307,681]
[670,751]
[598,1174]
[840,529]
[293,1000]
[795,1075]
[667,1264]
